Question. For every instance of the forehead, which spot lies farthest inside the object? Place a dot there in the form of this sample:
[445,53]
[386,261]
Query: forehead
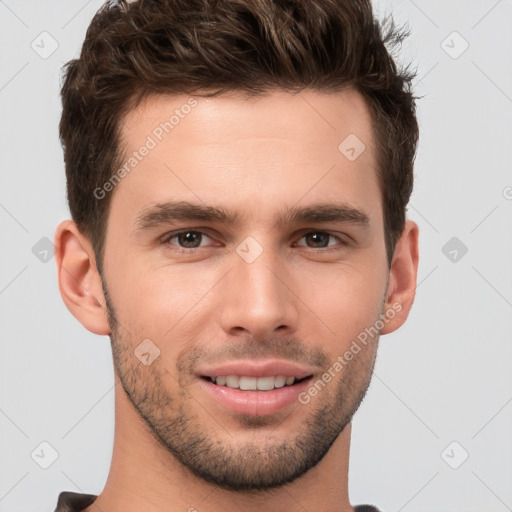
[229,147]
[311,116]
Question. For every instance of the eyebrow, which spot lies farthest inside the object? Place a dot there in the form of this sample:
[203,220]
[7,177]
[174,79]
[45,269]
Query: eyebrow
[168,212]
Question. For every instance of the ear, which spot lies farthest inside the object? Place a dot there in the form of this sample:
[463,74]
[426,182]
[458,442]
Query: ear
[402,278]
[79,280]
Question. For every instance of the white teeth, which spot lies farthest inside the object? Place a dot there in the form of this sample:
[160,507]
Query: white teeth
[232,381]
[266,383]
[247,383]
[253,383]
[280,381]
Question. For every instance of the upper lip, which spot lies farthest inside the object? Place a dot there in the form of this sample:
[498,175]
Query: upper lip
[267,368]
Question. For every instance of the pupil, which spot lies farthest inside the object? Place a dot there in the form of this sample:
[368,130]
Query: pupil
[187,239]
[319,239]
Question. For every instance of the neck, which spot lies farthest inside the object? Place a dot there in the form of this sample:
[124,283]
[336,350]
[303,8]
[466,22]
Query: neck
[145,476]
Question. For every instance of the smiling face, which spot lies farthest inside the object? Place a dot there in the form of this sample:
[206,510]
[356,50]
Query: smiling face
[244,246]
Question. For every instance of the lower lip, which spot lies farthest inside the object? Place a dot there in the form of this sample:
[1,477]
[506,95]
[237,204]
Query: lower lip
[256,403]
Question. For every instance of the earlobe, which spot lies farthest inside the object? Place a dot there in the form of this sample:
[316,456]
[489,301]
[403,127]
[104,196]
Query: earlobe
[402,278]
[79,280]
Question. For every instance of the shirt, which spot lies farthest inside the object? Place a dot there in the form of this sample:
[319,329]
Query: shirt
[75,502]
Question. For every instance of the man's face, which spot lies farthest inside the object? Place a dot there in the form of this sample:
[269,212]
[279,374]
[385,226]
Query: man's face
[255,293]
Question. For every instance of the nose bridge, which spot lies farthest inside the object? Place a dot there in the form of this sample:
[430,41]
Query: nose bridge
[257,297]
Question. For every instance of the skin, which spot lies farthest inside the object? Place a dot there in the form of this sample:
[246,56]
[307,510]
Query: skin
[305,299]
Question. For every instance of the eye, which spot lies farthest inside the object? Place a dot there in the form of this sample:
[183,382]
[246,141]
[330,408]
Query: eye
[185,239]
[320,239]
[188,240]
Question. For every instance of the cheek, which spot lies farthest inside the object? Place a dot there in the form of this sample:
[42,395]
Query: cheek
[160,303]
[347,301]
[176,302]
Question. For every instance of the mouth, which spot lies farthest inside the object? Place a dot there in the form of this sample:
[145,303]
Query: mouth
[255,388]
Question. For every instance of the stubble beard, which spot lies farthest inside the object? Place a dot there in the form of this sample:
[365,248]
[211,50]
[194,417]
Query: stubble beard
[167,408]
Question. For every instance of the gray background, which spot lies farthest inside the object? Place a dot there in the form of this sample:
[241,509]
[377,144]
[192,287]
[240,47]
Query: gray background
[442,388]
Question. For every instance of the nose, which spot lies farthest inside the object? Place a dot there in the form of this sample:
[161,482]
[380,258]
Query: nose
[259,299]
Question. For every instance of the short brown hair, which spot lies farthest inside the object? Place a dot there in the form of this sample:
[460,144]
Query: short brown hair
[132,50]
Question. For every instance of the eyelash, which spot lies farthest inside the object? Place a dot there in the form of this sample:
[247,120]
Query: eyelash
[166,240]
